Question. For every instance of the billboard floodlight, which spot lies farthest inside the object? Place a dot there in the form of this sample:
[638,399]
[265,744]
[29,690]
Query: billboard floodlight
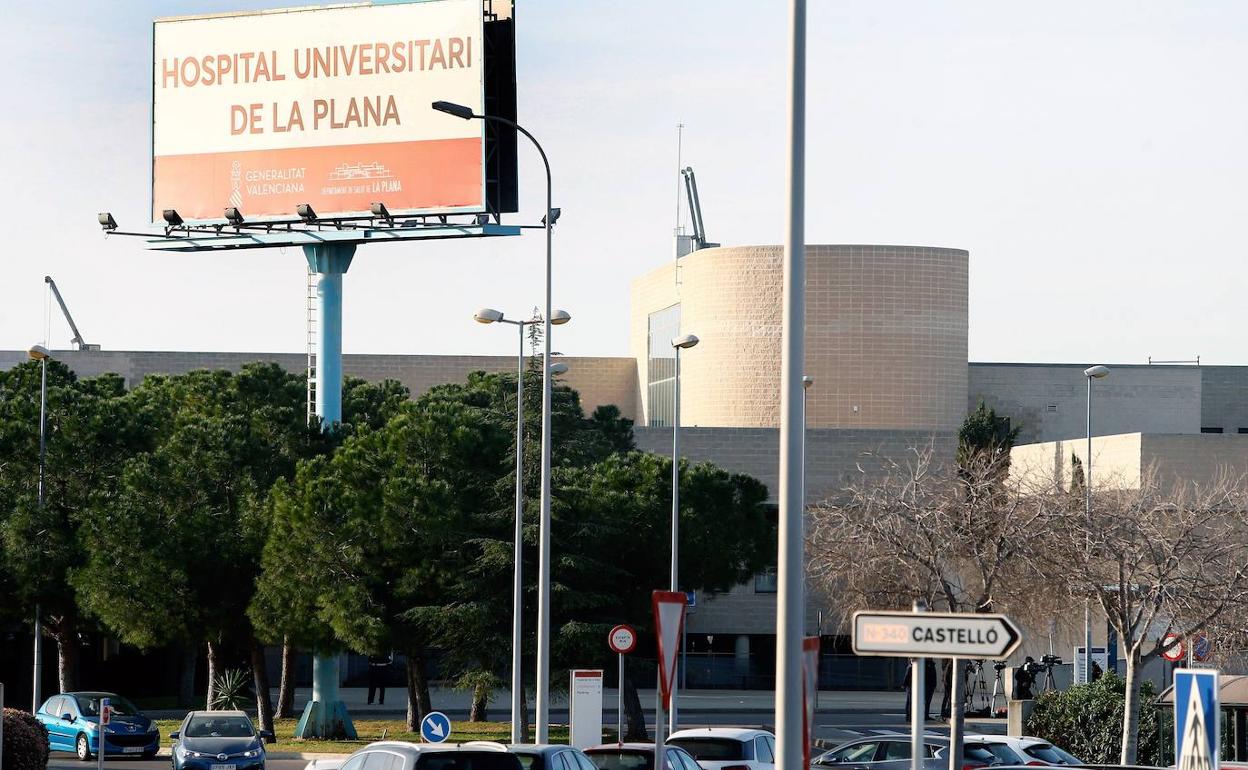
[305,212]
[451,108]
[234,215]
[172,217]
[106,220]
[555,211]
[379,210]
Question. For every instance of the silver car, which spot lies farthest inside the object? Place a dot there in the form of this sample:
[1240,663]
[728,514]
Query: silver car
[884,752]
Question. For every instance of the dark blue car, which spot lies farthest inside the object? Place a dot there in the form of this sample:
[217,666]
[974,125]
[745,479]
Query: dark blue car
[218,740]
[73,722]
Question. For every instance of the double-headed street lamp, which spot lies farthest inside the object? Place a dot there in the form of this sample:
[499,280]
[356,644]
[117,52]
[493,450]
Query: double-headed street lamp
[1092,373]
[543,579]
[678,344]
[489,316]
[40,353]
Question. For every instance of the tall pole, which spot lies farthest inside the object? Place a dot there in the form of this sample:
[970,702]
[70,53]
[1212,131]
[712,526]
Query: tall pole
[37,688]
[1087,509]
[790,569]
[543,579]
[675,577]
[325,715]
[517,598]
[918,703]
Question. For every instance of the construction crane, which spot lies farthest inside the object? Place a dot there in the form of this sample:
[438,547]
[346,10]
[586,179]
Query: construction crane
[79,343]
[691,243]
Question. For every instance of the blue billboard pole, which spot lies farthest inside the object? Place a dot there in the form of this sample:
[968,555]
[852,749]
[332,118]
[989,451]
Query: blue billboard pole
[326,715]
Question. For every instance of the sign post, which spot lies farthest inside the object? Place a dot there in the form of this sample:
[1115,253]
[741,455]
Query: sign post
[1197,718]
[810,692]
[106,716]
[919,635]
[585,708]
[622,640]
[669,623]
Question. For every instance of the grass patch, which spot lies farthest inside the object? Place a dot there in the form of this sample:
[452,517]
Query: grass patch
[371,730]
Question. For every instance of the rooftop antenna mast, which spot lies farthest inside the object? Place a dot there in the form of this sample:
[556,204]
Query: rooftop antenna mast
[78,342]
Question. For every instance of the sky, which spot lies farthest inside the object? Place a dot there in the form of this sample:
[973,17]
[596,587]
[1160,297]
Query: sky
[1091,157]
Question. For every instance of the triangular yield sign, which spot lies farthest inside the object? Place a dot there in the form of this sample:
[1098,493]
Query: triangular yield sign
[669,620]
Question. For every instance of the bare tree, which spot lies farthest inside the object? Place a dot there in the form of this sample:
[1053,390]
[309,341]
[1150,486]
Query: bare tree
[956,537]
[1160,559]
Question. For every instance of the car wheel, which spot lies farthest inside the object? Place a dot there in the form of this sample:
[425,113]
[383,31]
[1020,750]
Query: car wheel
[82,748]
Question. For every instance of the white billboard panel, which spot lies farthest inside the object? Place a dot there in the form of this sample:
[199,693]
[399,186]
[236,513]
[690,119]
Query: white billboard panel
[321,105]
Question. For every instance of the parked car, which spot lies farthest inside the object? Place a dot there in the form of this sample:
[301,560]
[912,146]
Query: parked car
[401,755]
[1006,750]
[639,756]
[885,752]
[218,740]
[728,748]
[73,723]
[545,756]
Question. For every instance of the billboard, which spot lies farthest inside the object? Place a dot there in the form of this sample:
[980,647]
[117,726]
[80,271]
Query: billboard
[327,106]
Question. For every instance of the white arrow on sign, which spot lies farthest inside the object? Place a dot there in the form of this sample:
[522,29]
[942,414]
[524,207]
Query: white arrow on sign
[935,635]
[436,729]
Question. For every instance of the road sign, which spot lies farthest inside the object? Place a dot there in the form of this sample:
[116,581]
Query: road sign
[1202,648]
[669,620]
[106,711]
[622,639]
[1175,653]
[435,727]
[935,635]
[691,599]
[585,708]
[1196,719]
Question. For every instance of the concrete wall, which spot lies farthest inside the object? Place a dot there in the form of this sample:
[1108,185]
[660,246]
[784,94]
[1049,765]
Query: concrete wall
[599,380]
[833,457]
[1048,402]
[886,330]
[1122,461]
[1224,398]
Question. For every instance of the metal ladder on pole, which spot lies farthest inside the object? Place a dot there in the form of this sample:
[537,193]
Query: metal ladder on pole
[312,334]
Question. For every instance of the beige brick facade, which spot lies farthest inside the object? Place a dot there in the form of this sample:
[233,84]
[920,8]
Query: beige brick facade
[886,335]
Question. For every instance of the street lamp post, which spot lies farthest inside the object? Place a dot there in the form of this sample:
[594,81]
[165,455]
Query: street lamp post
[678,344]
[489,316]
[40,354]
[543,560]
[1092,373]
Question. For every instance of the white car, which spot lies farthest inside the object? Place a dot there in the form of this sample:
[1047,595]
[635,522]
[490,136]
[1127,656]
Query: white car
[1007,750]
[728,748]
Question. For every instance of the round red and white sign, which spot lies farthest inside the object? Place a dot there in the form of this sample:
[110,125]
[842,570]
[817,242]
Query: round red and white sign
[623,639]
[1176,652]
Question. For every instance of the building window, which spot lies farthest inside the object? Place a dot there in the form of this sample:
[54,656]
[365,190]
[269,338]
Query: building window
[1210,430]
[661,365]
[765,581]
[1243,430]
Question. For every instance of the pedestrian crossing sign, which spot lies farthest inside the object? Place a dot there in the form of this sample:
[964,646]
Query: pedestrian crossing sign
[1197,719]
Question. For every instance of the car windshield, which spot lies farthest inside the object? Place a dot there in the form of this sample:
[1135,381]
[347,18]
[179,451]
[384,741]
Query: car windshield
[1046,752]
[711,749]
[467,760]
[89,705]
[218,727]
[622,760]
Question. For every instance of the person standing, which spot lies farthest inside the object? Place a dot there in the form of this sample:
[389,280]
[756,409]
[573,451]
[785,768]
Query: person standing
[929,686]
[378,665]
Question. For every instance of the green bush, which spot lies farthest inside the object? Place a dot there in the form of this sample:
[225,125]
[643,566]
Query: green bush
[25,741]
[1086,720]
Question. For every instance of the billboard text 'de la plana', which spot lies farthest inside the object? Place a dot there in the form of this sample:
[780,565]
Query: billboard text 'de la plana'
[321,105]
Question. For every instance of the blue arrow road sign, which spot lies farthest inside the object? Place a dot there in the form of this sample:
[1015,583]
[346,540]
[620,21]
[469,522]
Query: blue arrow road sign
[435,727]
[1196,719]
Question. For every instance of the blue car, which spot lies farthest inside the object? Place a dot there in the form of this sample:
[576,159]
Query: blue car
[73,723]
[218,740]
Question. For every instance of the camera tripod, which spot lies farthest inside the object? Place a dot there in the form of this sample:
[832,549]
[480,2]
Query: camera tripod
[998,691]
[975,689]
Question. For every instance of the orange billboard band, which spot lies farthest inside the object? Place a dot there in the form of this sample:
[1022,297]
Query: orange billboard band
[422,175]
